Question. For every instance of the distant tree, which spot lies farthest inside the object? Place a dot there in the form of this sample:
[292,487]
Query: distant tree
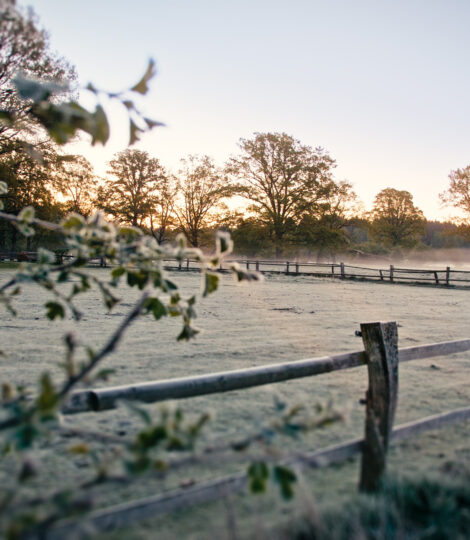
[395,220]
[24,48]
[202,187]
[282,178]
[130,194]
[76,181]
[324,224]
[163,216]
[458,193]
[29,184]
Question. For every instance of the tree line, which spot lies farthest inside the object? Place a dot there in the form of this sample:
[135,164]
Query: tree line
[275,196]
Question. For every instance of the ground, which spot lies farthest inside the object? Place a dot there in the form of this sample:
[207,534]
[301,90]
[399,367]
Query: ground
[284,318]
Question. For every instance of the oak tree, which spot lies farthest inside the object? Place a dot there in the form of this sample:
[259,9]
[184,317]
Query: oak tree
[281,177]
[131,191]
[395,220]
[458,192]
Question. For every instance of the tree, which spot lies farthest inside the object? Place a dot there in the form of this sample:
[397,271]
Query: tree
[282,177]
[395,220]
[202,188]
[130,195]
[458,193]
[324,225]
[162,216]
[24,48]
[29,183]
[76,181]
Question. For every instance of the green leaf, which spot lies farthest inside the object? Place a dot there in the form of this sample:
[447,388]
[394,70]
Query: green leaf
[211,283]
[285,478]
[142,87]
[258,474]
[54,309]
[48,397]
[156,307]
[138,279]
[118,272]
[187,333]
[100,133]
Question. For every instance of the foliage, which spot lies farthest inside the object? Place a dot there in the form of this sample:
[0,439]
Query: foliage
[282,177]
[75,180]
[24,48]
[433,506]
[395,220]
[458,192]
[130,195]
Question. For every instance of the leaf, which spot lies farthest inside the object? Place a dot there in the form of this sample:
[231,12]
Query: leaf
[100,133]
[91,88]
[135,130]
[156,307]
[80,448]
[54,309]
[128,104]
[258,474]
[48,397]
[153,123]
[118,272]
[142,87]
[285,478]
[187,333]
[211,283]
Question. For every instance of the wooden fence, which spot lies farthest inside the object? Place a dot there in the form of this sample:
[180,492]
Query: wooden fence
[446,277]
[381,355]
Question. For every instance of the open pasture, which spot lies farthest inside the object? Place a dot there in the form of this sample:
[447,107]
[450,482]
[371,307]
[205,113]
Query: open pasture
[281,319]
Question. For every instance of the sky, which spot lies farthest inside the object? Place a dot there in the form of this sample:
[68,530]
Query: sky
[382,85]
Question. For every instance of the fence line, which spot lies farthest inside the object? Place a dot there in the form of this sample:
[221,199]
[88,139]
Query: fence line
[126,513]
[186,387]
[446,277]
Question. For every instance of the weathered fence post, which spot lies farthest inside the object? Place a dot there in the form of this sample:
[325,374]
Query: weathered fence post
[381,345]
[180,264]
[187,264]
[343,274]
[332,269]
[391,272]
[287,267]
[296,267]
[381,275]
[436,277]
[247,264]
[257,266]
[448,275]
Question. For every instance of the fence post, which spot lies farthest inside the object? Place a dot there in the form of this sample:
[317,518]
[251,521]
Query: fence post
[342,270]
[296,267]
[180,264]
[381,275]
[391,272]
[332,269]
[287,267]
[436,277]
[381,345]
[247,264]
[187,264]
[448,275]
[257,266]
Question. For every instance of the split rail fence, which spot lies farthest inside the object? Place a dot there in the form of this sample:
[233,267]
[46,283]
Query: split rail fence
[446,277]
[382,357]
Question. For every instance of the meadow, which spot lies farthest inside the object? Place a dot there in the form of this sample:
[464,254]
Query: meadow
[283,318]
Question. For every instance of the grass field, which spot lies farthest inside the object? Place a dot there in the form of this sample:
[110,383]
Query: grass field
[281,319]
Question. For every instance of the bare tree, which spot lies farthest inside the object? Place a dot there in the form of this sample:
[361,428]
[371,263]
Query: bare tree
[202,188]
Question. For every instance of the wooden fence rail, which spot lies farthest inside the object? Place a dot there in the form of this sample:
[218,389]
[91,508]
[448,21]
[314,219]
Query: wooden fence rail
[381,356]
[445,277]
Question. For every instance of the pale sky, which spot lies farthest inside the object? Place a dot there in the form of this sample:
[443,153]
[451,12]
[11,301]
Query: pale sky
[382,85]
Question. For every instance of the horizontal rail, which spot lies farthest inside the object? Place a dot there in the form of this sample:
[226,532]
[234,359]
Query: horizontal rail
[152,392]
[126,513]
